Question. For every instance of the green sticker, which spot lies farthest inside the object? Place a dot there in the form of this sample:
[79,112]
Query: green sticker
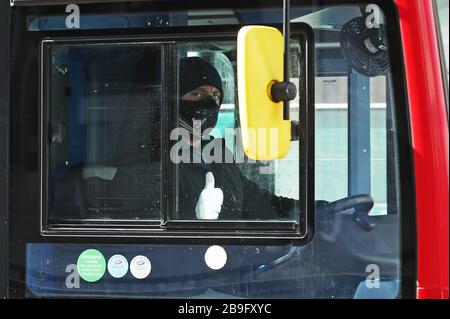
[91,265]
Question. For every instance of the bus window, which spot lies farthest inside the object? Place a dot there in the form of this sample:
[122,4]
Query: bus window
[104,146]
[242,189]
[106,136]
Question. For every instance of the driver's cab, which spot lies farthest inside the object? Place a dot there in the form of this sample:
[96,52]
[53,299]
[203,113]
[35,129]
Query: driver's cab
[119,176]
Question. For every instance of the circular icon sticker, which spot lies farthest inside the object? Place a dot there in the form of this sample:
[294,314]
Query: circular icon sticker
[215,257]
[117,266]
[91,265]
[140,267]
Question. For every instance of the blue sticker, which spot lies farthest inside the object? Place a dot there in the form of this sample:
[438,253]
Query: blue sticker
[118,266]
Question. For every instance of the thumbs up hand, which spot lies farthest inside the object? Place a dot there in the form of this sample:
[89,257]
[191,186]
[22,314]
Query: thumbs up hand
[210,201]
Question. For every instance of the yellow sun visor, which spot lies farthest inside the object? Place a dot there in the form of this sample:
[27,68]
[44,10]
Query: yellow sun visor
[265,135]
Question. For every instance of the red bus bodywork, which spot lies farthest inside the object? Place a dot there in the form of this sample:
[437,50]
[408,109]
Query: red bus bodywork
[430,143]
[428,111]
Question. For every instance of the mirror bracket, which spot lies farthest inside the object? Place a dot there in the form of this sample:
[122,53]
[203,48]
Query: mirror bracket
[283,91]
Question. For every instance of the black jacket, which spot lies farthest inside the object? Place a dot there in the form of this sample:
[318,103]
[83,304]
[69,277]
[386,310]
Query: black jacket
[243,199]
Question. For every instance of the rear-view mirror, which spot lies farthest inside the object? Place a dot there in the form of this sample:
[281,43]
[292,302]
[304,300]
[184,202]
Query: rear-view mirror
[265,133]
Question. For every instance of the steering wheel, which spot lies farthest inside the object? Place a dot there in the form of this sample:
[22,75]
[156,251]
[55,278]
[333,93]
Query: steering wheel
[360,204]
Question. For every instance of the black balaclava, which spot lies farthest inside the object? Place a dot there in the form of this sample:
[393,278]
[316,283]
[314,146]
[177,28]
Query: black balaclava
[195,72]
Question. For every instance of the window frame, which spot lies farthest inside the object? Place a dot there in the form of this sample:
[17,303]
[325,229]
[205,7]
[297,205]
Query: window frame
[5,40]
[299,231]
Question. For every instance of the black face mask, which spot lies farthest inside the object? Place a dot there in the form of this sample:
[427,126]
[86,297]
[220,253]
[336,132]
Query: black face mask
[206,111]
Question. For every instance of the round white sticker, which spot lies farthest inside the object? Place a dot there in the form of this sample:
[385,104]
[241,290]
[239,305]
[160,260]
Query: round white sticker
[140,267]
[117,266]
[215,257]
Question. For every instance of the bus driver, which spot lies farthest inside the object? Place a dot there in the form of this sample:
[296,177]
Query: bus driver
[217,189]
